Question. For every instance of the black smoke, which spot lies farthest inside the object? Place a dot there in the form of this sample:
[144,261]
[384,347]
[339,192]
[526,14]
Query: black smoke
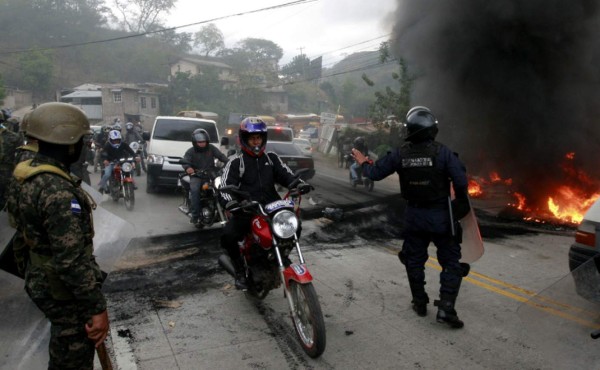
[515,84]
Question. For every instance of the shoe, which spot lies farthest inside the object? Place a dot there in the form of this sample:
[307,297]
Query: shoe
[240,282]
[420,308]
[101,190]
[194,220]
[447,314]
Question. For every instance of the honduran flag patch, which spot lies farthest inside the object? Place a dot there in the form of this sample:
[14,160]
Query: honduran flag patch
[75,207]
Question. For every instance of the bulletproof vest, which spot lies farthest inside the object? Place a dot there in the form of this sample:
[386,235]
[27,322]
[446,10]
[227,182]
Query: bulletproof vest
[421,180]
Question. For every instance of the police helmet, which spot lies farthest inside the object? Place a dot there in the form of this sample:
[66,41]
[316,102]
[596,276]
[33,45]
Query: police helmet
[57,123]
[250,126]
[114,138]
[421,124]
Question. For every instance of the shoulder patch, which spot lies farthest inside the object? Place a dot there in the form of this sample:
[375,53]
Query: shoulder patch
[75,207]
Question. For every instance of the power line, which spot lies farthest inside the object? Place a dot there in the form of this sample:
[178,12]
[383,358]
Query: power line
[293,3]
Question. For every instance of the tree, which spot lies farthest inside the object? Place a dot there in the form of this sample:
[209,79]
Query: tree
[210,39]
[255,58]
[298,68]
[37,69]
[391,102]
[141,15]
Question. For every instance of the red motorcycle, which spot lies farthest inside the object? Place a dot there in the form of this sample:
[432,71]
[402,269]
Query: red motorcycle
[266,253]
[121,184]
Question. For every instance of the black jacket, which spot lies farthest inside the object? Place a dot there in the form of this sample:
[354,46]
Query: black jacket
[203,159]
[123,151]
[257,176]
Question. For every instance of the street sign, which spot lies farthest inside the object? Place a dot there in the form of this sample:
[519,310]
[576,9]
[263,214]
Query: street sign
[328,118]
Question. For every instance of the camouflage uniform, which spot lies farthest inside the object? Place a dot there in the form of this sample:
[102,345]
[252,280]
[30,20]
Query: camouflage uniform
[9,141]
[54,216]
[27,151]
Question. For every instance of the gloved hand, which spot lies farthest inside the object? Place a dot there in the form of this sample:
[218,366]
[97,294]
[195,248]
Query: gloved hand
[304,188]
[232,204]
[460,208]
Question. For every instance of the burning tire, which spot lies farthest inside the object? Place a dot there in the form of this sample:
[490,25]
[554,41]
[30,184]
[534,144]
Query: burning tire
[308,318]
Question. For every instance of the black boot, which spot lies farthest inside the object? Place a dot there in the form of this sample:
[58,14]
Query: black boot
[446,312]
[240,281]
[420,306]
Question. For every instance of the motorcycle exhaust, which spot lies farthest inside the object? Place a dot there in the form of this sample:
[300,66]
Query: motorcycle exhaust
[226,264]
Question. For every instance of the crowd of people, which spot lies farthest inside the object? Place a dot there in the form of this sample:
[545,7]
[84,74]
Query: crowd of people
[52,215]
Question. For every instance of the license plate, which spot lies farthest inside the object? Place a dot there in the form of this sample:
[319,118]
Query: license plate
[292,163]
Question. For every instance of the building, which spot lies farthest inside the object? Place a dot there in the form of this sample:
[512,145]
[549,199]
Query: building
[16,98]
[196,65]
[103,103]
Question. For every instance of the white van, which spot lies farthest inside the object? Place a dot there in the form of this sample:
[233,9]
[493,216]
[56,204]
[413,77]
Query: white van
[170,138]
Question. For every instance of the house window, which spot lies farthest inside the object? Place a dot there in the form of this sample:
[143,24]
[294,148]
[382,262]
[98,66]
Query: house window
[153,102]
[117,96]
[143,102]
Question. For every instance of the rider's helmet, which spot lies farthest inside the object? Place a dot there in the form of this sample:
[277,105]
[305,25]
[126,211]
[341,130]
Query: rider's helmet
[114,138]
[250,126]
[117,127]
[106,129]
[421,124]
[129,126]
[359,143]
[200,134]
[57,123]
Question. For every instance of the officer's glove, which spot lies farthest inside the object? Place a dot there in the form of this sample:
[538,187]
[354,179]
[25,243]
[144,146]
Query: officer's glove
[460,205]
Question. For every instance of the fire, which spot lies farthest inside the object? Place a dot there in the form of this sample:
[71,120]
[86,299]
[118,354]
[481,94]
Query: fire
[474,188]
[569,204]
[521,201]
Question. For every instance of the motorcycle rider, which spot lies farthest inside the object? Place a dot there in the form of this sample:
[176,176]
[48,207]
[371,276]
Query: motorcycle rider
[131,136]
[99,141]
[202,157]
[426,167]
[254,171]
[114,149]
[355,171]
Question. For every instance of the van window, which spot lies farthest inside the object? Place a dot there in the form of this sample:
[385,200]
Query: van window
[181,130]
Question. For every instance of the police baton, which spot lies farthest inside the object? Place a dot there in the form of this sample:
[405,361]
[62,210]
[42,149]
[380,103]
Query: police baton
[104,357]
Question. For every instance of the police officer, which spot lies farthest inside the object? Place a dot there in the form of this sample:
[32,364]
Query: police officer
[48,207]
[426,169]
[9,141]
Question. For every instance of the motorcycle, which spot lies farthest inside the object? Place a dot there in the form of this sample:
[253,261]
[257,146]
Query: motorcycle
[210,210]
[121,184]
[266,254]
[362,180]
[138,149]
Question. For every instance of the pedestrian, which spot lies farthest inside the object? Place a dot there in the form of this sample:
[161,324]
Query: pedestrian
[9,142]
[201,156]
[427,169]
[48,206]
[255,172]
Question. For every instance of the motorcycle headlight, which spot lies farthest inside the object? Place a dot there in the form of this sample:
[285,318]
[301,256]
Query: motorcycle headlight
[285,224]
[126,167]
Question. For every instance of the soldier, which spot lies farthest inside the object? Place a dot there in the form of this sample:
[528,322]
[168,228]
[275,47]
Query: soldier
[9,141]
[48,207]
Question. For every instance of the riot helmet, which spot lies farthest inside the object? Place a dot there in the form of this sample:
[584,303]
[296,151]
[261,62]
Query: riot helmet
[57,123]
[251,126]
[114,138]
[200,135]
[421,124]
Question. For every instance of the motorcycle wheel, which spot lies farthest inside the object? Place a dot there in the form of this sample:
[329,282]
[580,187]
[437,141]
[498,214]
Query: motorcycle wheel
[128,195]
[308,320]
[138,169]
[256,291]
[114,190]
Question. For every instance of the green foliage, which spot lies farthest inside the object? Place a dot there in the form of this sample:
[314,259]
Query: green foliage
[37,72]
[298,68]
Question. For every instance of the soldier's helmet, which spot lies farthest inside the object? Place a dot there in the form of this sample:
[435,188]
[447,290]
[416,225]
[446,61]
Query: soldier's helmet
[57,123]
[421,124]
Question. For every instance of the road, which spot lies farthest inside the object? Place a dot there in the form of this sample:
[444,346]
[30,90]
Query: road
[172,307]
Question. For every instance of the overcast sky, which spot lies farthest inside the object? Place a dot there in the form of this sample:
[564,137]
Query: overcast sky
[328,28]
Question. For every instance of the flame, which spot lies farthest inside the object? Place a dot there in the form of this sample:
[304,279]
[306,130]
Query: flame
[495,178]
[521,201]
[569,205]
[474,188]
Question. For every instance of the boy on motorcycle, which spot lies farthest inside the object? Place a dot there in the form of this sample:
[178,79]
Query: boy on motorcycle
[256,173]
[114,149]
[202,157]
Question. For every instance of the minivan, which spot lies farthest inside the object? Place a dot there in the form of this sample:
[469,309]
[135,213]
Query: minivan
[170,138]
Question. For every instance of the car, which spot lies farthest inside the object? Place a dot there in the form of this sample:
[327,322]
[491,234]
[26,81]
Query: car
[304,145]
[293,157]
[585,248]
[280,133]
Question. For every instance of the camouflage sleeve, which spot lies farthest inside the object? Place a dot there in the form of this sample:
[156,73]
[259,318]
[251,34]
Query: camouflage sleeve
[69,232]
